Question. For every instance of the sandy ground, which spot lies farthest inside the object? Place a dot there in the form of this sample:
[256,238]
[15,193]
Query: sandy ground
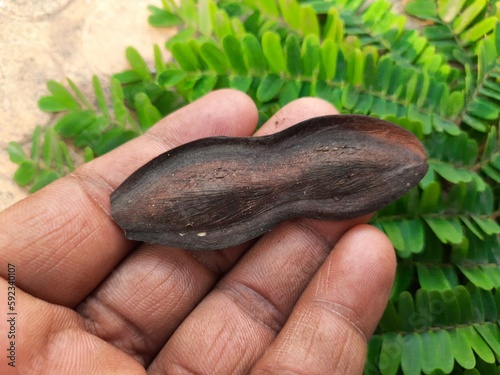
[55,39]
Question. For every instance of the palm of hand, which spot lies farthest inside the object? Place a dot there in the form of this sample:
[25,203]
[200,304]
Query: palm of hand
[92,302]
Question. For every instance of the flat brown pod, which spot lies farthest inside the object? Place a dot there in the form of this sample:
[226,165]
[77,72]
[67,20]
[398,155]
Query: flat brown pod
[216,192]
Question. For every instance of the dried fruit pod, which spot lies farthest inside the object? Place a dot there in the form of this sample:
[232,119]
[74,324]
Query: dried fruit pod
[216,192]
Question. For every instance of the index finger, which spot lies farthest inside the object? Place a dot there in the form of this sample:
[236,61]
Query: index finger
[63,240]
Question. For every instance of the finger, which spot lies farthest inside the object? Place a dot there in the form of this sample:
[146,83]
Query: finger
[51,339]
[62,238]
[302,109]
[258,293]
[328,330]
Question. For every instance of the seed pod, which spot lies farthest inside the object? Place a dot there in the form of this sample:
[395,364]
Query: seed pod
[216,192]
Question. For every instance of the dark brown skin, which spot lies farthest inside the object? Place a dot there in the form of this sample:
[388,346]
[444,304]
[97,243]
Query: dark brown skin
[218,192]
[304,299]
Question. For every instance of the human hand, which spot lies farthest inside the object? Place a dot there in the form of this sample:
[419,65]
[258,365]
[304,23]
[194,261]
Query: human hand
[91,302]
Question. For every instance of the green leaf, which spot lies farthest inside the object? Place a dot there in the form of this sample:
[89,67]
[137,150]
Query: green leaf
[444,356]
[202,87]
[289,92]
[308,21]
[483,109]
[240,83]
[188,11]
[224,27]
[171,77]
[292,49]
[478,345]
[310,55]
[430,200]
[109,141]
[163,18]
[271,47]
[127,77]
[79,94]
[291,12]
[487,225]
[35,143]
[495,161]
[471,227]
[16,153]
[350,97]
[455,103]
[59,157]
[147,113]
[395,234]
[406,310]
[214,58]
[74,123]
[269,87]
[138,64]
[49,144]
[334,26]
[490,333]
[425,9]
[25,173]
[62,95]
[252,52]
[390,354]
[356,63]
[99,94]
[119,109]
[183,36]
[449,9]
[159,62]
[234,53]
[451,174]
[491,173]
[479,30]
[363,105]
[448,231]
[411,356]
[329,52]
[390,319]
[475,123]
[63,150]
[43,179]
[441,124]
[373,356]
[432,277]
[462,351]
[185,56]
[50,104]
[269,7]
[88,154]
[60,100]
[468,15]
[476,276]
[383,74]
[404,278]
[449,299]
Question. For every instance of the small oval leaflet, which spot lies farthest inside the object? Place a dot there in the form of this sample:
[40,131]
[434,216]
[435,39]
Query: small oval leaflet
[217,192]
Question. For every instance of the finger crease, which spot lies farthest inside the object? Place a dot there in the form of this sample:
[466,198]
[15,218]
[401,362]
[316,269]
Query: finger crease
[114,334]
[343,312]
[253,304]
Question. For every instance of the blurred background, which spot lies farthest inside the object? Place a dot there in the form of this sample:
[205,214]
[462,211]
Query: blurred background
[55,39]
